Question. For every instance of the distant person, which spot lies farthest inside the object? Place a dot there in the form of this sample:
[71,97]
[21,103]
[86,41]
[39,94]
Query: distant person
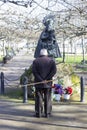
[44,68]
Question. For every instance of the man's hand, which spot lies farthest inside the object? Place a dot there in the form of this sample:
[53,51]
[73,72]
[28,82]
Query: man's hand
[45,81]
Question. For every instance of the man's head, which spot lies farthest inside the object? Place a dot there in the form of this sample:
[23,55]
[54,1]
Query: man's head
[43,52]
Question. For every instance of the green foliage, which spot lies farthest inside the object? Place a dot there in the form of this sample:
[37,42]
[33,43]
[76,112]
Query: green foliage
[75,79]
[60,81]
[28,73]
[64,69]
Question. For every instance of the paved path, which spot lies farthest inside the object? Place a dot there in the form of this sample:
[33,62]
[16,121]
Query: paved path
[19,116]
[15,67]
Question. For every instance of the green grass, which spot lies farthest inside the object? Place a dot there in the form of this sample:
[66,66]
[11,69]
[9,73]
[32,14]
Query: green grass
[75,61]
[72,58]
[18,97]
[16,100]
[75,98]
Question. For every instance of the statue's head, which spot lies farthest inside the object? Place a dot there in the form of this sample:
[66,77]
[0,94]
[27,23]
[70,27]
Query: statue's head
[48,21]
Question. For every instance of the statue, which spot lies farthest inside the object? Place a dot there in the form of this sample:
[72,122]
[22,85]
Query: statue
[47,39]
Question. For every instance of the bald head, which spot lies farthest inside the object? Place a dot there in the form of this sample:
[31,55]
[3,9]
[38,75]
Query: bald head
[43,52]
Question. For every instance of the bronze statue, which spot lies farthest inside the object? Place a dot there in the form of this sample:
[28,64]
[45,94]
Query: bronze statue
[47,39]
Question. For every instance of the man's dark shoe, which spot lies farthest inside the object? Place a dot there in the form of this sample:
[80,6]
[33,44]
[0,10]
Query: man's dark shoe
[37,115]
[47,115]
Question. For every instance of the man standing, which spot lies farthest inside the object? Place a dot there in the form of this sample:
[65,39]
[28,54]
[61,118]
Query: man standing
[44,68]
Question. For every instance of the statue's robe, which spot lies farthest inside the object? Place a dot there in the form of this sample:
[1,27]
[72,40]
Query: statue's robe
[47,40]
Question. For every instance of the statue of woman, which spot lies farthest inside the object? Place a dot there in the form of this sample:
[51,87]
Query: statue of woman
[47,39]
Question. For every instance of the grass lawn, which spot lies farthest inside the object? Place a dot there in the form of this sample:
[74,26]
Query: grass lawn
[72,59]
[75,98]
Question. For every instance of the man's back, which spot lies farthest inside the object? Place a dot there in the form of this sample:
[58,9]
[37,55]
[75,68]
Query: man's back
[44,67]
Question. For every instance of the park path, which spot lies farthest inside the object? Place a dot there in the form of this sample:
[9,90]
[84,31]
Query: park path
[65,116]
[15,67]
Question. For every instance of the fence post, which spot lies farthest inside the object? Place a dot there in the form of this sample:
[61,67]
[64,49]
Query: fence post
[82,89]
[25,91]
[2,83]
